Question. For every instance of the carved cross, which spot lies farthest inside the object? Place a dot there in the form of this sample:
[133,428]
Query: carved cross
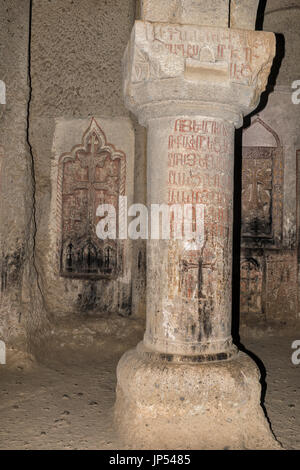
[90,159]
[256,179]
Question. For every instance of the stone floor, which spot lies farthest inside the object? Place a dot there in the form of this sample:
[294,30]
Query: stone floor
[282,395]
[66,402]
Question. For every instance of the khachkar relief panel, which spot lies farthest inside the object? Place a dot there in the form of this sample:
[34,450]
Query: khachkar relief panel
[262,194]
[252,285]
[281,285]
[199,173]
[262,218]
[92,174]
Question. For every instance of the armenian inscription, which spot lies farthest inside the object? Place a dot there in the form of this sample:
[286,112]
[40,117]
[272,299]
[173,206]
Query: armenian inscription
[200,172]
[199,169]
[230,54]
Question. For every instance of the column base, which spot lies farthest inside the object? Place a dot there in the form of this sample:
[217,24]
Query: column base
[163,405]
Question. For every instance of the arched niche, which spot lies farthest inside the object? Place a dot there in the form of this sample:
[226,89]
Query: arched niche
[260,134]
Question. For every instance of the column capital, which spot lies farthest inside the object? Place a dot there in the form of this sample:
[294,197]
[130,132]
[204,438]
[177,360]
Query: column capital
[173,69]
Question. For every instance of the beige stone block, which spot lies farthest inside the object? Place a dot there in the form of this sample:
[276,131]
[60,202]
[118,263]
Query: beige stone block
[165,61]
[163,405]
[243,14]
[200,12]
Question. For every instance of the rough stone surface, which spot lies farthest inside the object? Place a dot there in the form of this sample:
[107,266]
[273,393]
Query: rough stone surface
[215,406]
[156,74]
[203,65]
[76,56]
[185,313]
[243,14]
[73,80]
[74,388]
[177,91]
[270,144]
[70,287]
[21,314]
[283,17]
[200,12]
[139,246]
[277,112]
[73,72]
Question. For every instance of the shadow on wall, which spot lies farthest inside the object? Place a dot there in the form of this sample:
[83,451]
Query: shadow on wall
[236,265]
[280,53]
[260,15]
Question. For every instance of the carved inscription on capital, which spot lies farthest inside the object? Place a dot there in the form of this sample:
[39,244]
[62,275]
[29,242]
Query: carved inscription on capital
[200,172]
[166,50]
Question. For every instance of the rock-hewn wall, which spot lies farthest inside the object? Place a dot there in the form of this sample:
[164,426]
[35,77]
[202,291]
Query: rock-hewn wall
[20,311]
[269,271]
[76,69]
[282,17]
[74,73]
[61,61]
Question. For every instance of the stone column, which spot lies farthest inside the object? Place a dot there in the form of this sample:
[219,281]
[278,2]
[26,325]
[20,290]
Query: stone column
[186,386]
[190,161]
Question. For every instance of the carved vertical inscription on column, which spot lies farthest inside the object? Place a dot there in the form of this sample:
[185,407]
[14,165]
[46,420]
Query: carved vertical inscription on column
[93,173]
[200,172]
